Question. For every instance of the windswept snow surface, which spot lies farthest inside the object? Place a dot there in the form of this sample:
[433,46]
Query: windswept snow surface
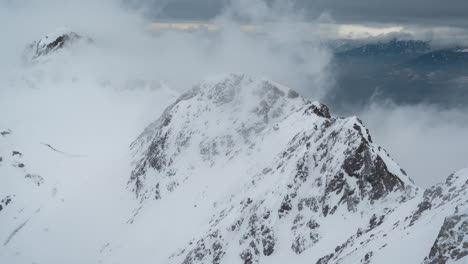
[64,195]
[238,169]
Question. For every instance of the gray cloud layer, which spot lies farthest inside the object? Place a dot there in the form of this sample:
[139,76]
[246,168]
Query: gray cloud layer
[434,12]
[453,12]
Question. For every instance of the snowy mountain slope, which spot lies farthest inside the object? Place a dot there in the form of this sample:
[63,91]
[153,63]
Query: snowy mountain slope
[263,202]
[451,243]
[19,183]
[260,175]
[71,187]
[411,233]
[224,119]
[65,189]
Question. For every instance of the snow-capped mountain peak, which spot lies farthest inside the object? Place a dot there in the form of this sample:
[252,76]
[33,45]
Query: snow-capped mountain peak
[225,117]
[57,40]
[270,161]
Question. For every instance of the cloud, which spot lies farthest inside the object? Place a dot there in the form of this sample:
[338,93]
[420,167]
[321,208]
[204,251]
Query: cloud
[127,47]
[433,20]
[440,36]
[428,142]
[422,12]
[428,12]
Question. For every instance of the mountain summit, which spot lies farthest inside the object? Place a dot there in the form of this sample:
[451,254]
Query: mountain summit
[61,38]
[241,117]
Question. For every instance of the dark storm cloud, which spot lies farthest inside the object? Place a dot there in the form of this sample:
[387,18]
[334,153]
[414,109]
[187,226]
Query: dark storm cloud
[192,10]
[179,9]
[452,12]
[448,12]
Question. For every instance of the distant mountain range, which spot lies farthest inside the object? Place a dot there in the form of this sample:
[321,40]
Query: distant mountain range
[408,71]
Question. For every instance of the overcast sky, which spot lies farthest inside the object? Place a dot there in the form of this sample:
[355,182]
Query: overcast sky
[432,12]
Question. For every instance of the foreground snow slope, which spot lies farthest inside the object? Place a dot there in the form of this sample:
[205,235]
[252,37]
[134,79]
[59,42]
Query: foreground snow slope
[64,136]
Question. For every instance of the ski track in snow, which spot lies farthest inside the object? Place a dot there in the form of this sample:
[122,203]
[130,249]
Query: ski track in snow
[62,152]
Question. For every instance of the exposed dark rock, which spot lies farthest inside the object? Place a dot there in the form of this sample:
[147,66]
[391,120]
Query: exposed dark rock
[292,94]
[247,256]
[45,46]
[305,234]
[452,241]
[286,206]
[5,133]
[320,110]
[422,207]
[302,168]
[367,258]
[207,250]
[268,241]
[5,202]
[310,203]
[375,221]
[37,179]
[325,259]
[371,171]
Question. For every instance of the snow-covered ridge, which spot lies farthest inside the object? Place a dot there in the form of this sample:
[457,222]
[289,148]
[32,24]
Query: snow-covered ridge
[224,117]
[271,161]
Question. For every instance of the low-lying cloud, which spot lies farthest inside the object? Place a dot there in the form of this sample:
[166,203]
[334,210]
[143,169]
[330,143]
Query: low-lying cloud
[125,46]
[428,142]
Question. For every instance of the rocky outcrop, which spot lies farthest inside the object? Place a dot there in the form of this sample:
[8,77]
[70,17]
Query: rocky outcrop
[51,43]
[452,242]
[446,201]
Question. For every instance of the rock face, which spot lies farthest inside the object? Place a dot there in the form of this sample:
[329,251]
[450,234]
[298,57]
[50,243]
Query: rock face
[51,43]
[443,206]
[452,241]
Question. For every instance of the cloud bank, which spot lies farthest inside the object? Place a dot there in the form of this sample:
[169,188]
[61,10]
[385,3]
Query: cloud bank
[429,142]
[126,46]
[415,12]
